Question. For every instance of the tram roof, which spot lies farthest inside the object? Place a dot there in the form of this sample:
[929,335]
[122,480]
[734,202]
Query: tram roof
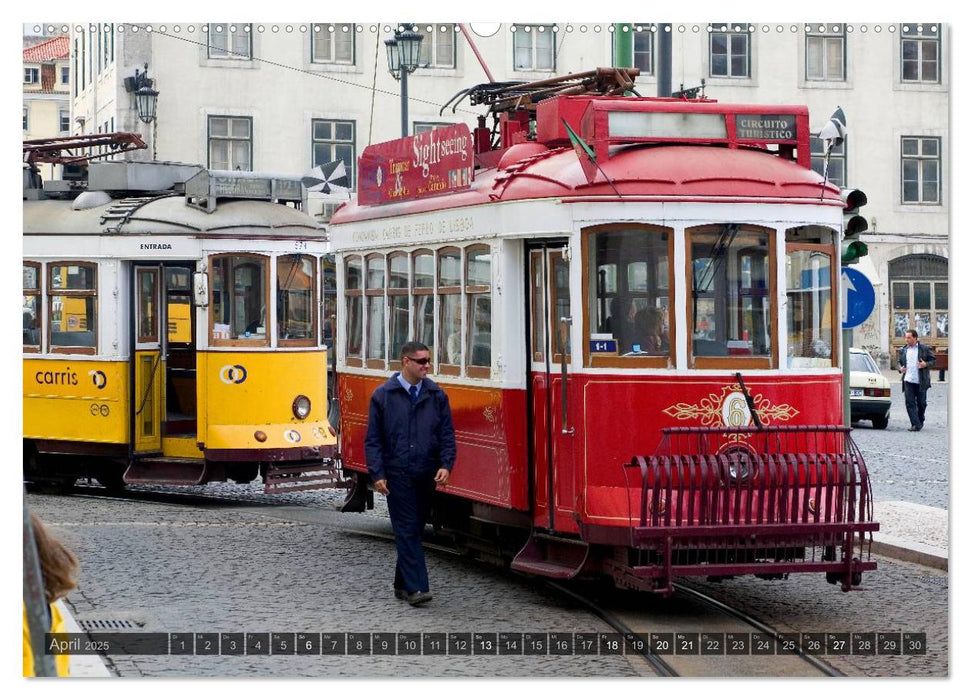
[167,215]
[654,172]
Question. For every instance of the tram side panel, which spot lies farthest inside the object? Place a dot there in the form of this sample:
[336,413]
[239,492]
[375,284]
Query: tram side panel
[491,465]
[76,400]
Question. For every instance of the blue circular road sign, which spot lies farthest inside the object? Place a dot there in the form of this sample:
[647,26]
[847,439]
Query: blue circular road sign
[858,297]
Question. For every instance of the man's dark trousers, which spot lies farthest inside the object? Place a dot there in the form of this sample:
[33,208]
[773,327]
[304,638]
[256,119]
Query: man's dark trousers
[916,398]
[409,501]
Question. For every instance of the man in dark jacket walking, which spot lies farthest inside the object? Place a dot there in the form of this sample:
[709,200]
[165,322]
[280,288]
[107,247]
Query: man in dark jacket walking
[410,447]
[914,363]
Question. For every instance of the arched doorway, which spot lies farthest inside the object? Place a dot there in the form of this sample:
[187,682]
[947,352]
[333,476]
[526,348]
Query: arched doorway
[918,285]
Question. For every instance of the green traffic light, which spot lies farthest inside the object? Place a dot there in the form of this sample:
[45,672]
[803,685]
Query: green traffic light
[853,251]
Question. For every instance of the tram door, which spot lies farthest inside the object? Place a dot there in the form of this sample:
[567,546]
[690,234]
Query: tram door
[147,359]
[164,367]
[552,401]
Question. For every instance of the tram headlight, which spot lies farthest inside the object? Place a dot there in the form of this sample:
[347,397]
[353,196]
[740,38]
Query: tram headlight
[301,407]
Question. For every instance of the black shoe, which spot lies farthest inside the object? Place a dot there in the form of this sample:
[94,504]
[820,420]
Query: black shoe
[418,597]
[400,594]
[913,428]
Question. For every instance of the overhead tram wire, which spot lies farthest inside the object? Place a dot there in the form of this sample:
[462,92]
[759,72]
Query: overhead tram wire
[276,64]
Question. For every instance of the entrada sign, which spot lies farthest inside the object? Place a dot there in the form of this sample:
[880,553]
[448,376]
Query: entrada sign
[427,164]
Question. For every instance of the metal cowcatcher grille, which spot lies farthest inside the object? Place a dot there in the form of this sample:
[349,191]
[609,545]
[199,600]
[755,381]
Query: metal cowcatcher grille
[767,501]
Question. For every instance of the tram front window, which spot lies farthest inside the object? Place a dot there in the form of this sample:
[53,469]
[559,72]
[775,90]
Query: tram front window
[629,294]
[296,280]
[730,310]
[239,285]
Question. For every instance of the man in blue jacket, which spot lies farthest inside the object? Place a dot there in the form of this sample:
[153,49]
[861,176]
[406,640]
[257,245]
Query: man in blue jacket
[914,363]
[410,447]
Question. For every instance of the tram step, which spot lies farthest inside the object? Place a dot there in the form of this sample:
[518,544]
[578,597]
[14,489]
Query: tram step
[304,477]
[173,471]
[552,557]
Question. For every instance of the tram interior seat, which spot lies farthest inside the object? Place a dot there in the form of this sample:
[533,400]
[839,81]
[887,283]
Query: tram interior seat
[72,338]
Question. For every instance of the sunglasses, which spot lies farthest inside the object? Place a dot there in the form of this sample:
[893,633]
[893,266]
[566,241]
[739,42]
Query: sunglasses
[419,360]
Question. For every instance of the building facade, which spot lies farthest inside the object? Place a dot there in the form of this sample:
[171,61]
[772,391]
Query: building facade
[47,96]
[286,97]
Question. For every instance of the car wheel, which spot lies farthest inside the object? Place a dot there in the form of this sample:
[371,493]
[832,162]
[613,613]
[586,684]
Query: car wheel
[880,422]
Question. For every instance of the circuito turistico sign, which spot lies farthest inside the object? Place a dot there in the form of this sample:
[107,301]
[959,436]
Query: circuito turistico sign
[766,127]
[424,165]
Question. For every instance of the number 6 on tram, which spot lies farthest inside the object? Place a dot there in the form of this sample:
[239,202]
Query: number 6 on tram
[633,308]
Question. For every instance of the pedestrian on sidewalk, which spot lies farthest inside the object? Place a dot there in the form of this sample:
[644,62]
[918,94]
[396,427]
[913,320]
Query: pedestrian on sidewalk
[914,365]
[410,448]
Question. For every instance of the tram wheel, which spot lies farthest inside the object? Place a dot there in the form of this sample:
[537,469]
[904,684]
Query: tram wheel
[112,479]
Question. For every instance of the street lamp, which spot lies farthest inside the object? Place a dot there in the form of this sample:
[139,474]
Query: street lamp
[146,98]
[403,56]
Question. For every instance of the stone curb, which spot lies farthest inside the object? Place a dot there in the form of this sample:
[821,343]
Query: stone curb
[82,665]
[912,552]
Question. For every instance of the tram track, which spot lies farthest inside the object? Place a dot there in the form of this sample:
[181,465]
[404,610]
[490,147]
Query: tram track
[634,622]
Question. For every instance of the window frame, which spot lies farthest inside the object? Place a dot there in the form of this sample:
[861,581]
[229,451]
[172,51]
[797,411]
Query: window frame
[643,29]
[394,362]
[838,155]
[920,39]
[210,139]
[65,75]
[323,29]
[370,293]
[437,30]
[733,361]
[31,75]
[826,248]
[333,143]
[417,292]
[37,292]
[311,340]
[824,38]
[729,32]
[239,342]
[473,292]
[64,121]
[442,291]
[921,159]
[73,293]
[590,359]
[520,29]
[246,29]
[356,360]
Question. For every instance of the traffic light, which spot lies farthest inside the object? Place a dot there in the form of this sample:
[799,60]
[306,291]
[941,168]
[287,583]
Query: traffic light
[853,225]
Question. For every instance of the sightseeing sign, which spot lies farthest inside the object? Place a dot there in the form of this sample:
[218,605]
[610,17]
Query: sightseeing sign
[427,164]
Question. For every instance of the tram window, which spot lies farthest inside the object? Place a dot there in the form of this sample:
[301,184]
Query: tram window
[629,296]
[178,308]
[478,287]
[809,306]
[730,300]
[73,301]
[423,298]
[450,311]
[398,303]
[296,280]
[375,321]
[561,304]
[353,268]
[329,295]
[239,287]
[32,307]
[147,320]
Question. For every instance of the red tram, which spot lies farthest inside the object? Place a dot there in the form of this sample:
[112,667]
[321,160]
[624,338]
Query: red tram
[632,304]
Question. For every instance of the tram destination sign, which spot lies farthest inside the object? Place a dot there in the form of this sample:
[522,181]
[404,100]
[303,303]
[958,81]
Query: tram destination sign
[766,127]
[434,162]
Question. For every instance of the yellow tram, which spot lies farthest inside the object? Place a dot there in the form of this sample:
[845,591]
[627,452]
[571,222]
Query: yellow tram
[175,330]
